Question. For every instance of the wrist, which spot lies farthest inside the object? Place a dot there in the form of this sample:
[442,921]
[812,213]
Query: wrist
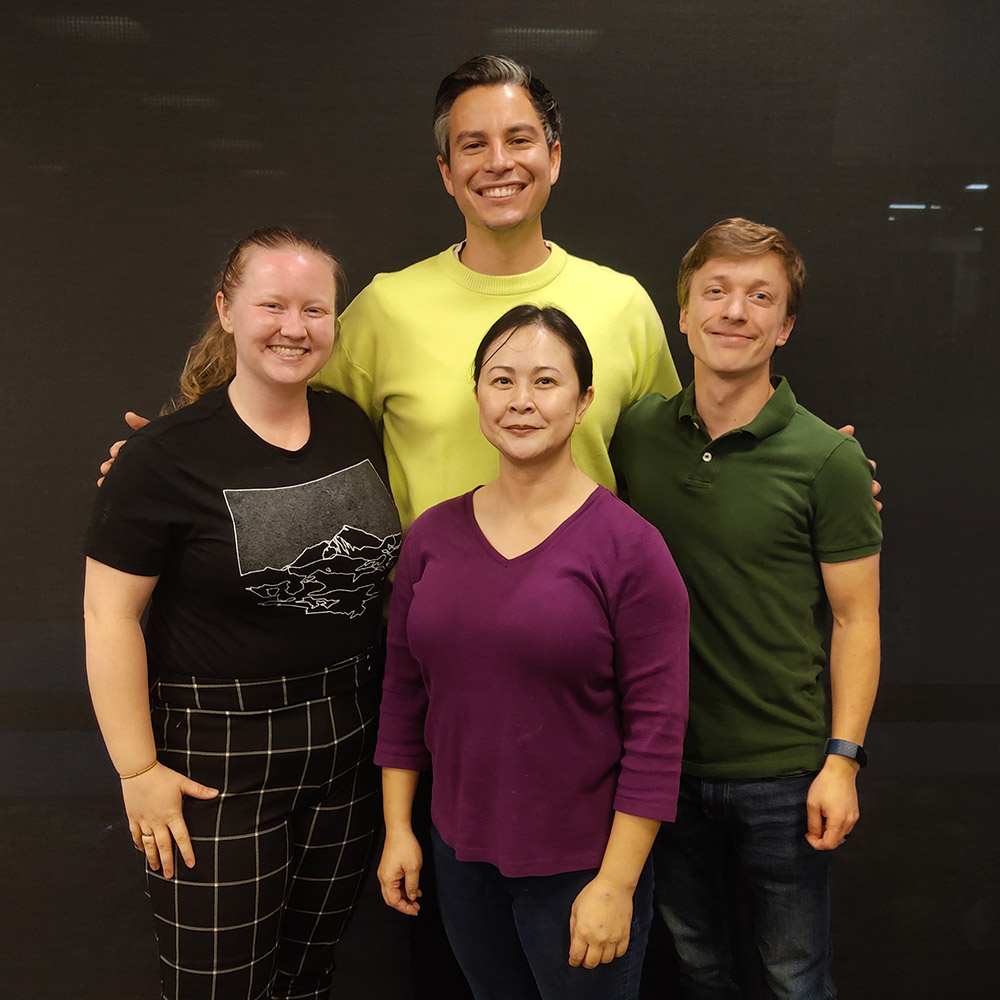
[142,770]
[846,749]
[614,882]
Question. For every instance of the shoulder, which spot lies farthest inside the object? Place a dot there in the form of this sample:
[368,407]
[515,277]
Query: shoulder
[178,430]
[330,405]
[442,516]
[622,525]
[606,279]
[821,443]
[389,284]
[654,412]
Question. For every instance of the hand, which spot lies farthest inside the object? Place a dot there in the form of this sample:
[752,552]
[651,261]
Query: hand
[599,924]
[135,422]
[399,872]
[876,485]
[832,803]
[153,804]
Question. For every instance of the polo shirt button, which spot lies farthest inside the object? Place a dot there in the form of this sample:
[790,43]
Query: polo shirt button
[697,426]
[707,457]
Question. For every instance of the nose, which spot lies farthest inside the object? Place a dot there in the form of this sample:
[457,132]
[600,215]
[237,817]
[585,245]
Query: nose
[735,309]
[498,157]
[521,401]
[293,325]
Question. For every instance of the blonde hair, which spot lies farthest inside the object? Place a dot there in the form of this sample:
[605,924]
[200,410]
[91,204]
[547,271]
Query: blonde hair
[735,239]
[211,361]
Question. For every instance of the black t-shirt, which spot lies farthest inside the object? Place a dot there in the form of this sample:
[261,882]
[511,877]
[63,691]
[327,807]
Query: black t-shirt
[271,562]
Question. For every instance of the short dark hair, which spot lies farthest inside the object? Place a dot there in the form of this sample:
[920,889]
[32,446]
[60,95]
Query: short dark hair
[550,319]
[493,71]
[736,239]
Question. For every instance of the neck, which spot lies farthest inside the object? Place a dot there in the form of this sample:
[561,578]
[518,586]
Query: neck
[504,252]
[726,403]
[536,486]
[279,414]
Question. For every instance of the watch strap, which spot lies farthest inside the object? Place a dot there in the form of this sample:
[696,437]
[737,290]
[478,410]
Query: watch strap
[845,748]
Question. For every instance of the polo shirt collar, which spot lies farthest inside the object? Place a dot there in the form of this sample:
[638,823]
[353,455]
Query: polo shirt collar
[774,415]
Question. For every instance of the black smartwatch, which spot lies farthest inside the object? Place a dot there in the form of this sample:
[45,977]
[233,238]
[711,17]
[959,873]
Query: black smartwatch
[845,748]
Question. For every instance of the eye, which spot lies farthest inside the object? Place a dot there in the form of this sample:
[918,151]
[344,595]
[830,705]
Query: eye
[501,380]
[761,297]
[546,380]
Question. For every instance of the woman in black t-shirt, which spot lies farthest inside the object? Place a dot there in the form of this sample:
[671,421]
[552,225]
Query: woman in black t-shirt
[242,723]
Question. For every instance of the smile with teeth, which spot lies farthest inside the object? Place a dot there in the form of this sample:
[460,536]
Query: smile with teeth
[286,352]
[501,192]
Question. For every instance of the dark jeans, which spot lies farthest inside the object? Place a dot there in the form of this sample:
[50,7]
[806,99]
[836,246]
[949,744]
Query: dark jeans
[511,935]
[760,824]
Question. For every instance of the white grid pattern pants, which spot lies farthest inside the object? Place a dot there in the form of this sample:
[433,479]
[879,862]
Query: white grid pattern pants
[281,853]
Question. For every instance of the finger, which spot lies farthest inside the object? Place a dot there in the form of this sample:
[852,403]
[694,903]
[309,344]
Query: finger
[847,429]
[164,846]
[814,818]
[622,945]
[593,957]
[182,839]
[113,452]
[391,895]
[147,841]
[135,832]
[395,899]
[609,954]
[577,949]
[412,884]
[198,791]
[135,421]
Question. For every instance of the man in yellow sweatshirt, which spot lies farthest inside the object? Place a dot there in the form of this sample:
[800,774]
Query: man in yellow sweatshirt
[405,349]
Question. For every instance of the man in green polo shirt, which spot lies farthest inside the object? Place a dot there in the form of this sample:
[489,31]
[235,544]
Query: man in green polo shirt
[769,515]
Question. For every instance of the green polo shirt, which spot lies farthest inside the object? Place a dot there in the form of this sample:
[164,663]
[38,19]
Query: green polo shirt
[748,518]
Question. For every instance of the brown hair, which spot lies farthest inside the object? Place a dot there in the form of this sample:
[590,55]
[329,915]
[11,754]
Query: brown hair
[211,361]
[734,239]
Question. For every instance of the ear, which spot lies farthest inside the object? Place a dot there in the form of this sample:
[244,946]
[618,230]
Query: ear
[445,175]
[682,322]
[584,404]
[555,161]
[786,331]
[222,307]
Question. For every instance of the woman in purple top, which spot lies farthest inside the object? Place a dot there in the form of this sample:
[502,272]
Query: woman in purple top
[537,659]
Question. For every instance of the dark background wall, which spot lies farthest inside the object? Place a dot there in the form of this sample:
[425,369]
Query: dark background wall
[137,140]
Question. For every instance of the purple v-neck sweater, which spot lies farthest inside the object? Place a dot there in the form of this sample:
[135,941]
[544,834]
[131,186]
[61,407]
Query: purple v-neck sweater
[547,691]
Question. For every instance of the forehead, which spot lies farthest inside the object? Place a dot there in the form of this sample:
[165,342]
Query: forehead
[291,263]
[532,346]
[767,269]
[484,108]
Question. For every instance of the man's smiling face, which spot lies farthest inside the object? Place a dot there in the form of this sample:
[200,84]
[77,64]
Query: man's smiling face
[737,314]
[500,168]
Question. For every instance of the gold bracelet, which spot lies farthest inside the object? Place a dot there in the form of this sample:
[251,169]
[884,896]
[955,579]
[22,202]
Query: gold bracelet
[135,774]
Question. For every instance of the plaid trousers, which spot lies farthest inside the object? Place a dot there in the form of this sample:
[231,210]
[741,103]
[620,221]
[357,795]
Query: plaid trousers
[281,853]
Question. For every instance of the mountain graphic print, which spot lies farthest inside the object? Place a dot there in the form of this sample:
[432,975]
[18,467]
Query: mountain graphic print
[322,547]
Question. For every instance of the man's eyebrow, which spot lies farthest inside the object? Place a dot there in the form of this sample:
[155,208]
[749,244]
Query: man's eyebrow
[510,130]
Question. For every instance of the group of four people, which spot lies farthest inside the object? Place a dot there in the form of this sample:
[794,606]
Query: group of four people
[537,653]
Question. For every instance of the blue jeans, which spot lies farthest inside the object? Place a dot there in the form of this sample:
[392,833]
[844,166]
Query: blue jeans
[759,826]
[511,935]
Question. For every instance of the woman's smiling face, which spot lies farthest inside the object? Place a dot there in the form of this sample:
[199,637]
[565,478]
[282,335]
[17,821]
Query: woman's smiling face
[529,396]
